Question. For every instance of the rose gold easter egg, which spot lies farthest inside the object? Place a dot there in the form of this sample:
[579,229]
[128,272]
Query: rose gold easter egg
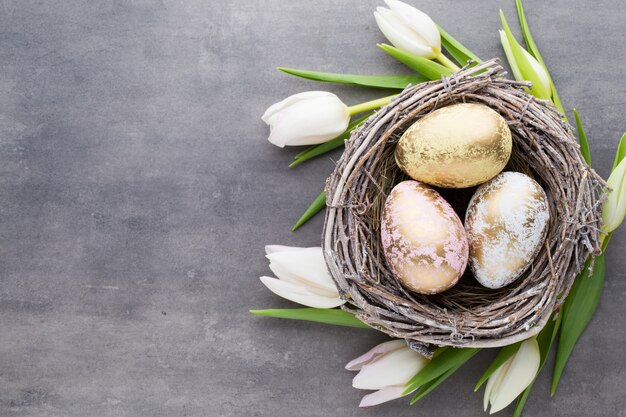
[457,146]
[506,223]
[423,239]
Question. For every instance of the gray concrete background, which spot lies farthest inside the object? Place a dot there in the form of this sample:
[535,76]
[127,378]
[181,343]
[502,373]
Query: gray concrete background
[137,190]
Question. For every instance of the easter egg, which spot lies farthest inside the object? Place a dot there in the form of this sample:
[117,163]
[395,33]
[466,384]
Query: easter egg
[506,223]
[423,239]
[456,146]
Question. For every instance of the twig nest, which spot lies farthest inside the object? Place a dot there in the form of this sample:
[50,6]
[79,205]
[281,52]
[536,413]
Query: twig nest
[467,314]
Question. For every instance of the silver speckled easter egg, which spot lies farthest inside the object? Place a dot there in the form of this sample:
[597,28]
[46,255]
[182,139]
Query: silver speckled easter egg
[423,239]
[506,223]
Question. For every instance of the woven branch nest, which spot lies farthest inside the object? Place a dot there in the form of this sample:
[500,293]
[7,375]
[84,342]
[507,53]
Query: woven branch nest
[468,314]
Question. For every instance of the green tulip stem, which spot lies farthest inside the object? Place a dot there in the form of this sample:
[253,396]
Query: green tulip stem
[370,105]
[447,62]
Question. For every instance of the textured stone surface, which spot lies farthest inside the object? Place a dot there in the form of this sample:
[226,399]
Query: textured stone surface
[137,191]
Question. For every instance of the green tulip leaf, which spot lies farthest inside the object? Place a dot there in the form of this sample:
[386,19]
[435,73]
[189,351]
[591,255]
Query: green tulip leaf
[440,350]
[426,67]
[316,206]
[582,139]
[534,51]
[455,48]
[521,400]
[546,338]
[621,152]
[556,100]
[316,150]
[578,308]
[319,315]
[429,386]
[398,82]
[503,355]
[439,365]
[528,36]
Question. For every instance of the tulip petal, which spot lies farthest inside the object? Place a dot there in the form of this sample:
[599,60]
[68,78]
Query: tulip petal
[506,45]
[285,275]
[323,287]
[307,121]
[520,374]
[375,352]
[614,209]
[542,75]
[401,36]
[381,396]
[394,368]
[281,248]
[281,105]
[494,381]
[530,68]
[299,294]
[421,24]
[307,264]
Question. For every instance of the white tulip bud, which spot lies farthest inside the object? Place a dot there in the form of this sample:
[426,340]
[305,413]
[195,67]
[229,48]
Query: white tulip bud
[306,118]
[409,29]
[512,377]
[525,66]
[302,276]
[614,209]
[386,368]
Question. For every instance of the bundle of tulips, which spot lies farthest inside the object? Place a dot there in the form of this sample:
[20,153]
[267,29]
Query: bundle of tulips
[461,216]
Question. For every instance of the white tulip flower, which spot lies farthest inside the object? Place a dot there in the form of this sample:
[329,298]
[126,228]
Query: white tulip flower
[385,368]
[302,276]
[512,377]
[524,65]
[614,209]
[409,29]
[533,72]
[307,118]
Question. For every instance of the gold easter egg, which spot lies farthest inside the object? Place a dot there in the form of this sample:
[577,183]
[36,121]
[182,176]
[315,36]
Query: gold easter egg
[506,223]
[423,239]
[456,146]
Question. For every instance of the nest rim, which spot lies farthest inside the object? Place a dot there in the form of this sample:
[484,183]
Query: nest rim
[544,148]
